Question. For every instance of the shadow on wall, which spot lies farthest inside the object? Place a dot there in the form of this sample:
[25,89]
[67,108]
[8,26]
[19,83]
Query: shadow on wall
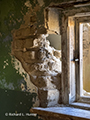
[55,41]
[15,105]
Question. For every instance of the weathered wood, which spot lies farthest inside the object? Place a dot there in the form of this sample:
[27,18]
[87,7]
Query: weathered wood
[65,5]
[65,60]
[71,37]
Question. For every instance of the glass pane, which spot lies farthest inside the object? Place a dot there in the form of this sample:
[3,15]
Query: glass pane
[85,29]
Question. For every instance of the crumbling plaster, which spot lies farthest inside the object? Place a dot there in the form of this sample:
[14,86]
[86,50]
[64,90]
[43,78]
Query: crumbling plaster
[36,23]
[42,63]
[38,59]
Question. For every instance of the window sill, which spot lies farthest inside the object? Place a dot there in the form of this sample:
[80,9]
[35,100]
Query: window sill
[81,105]
[64,113]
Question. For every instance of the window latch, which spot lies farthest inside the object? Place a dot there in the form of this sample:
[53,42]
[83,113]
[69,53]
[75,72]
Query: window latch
[75,60]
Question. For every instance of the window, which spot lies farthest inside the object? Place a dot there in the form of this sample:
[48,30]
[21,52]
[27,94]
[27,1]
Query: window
[75,57]
[85,39]
[83,63]
[79,59]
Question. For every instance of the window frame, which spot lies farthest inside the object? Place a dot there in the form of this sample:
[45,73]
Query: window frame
[69,57]
[79,68]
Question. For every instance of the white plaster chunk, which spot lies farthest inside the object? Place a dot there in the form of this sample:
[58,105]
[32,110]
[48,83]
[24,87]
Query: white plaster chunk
[45,70]
[53,97]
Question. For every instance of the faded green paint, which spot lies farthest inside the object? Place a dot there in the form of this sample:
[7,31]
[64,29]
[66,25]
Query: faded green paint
[10,13]
[11,18]
[16,102]
[12,99]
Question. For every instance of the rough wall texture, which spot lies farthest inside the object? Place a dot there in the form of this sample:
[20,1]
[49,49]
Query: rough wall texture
[38,59]
[33,27]
[43,64]
[12,79]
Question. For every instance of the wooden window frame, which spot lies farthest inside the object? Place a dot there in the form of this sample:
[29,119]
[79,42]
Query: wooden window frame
[79,65]
[70,81]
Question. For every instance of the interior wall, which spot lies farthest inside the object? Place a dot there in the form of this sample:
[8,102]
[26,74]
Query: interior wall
[17,93]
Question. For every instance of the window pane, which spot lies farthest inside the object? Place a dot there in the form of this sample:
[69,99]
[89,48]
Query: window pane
[85,29]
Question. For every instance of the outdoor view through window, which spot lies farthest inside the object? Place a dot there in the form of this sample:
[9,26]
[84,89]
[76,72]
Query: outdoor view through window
[85,53]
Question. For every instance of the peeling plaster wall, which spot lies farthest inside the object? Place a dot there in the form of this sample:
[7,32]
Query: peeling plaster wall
[17,93]
[43,58]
